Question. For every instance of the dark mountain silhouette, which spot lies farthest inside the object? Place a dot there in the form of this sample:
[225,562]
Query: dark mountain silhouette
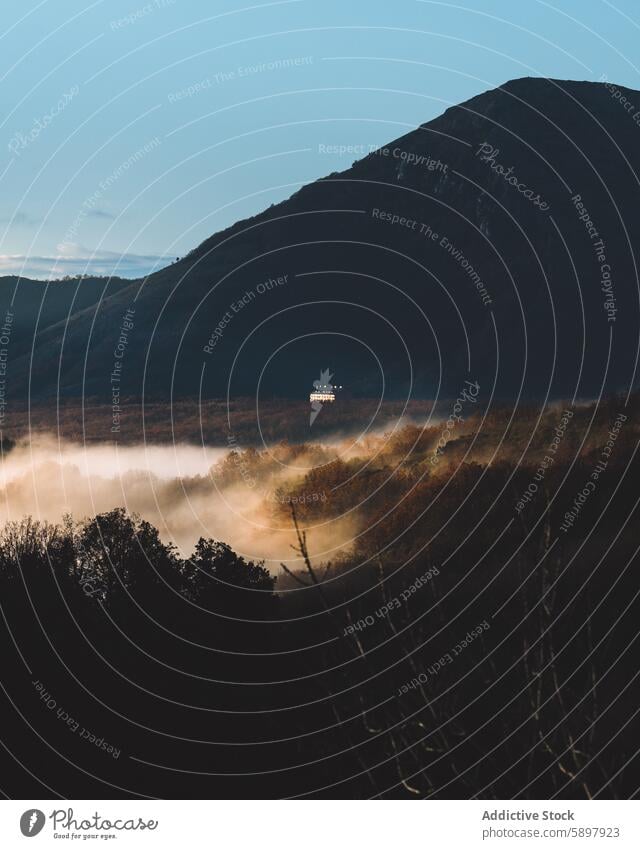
[508,292]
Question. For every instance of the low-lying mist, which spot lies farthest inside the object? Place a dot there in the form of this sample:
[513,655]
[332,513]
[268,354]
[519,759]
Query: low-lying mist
[345,489]
[186,491]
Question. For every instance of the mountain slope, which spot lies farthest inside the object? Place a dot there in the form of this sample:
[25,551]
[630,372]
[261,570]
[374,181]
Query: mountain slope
[494,244]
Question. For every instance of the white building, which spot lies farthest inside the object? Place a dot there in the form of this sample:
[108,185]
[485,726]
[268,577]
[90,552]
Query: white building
[322,394]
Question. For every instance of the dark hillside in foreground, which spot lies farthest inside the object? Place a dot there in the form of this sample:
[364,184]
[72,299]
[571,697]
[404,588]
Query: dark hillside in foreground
[464,648]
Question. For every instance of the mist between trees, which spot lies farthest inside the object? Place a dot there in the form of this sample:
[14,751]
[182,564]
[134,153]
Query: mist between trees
[216,647]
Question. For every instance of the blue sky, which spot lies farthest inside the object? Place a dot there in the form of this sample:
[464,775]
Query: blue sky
[132,130]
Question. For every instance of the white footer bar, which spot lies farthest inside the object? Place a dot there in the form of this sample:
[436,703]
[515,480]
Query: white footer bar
[320,824]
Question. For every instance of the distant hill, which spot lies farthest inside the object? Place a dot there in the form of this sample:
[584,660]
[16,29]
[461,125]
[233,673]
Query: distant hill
[458,251]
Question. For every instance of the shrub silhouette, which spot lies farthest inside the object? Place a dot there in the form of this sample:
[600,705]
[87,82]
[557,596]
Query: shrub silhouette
[138,642]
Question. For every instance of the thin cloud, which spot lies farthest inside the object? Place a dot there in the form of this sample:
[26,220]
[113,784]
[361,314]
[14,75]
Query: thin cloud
[100,213]
[20,219]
